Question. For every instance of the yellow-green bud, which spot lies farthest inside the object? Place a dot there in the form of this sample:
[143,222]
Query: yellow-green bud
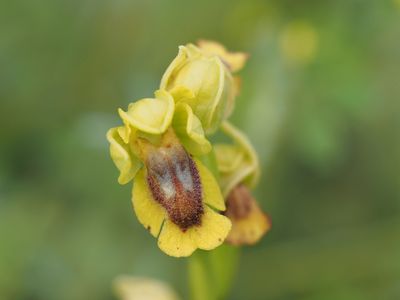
[238,162]
[203,80]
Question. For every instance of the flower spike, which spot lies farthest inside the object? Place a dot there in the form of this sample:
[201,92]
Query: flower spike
[163,143]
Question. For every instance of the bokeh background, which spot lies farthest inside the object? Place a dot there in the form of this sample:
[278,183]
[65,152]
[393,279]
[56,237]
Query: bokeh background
[320,100]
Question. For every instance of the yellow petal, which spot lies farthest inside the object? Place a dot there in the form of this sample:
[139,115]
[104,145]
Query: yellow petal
[177,63]
[223,103]
[174,242]
[211,191]
[182,93]
[149,213]
[125,132]
[150,115]
[189,130]
[213,230]
[234,60]
[127,163]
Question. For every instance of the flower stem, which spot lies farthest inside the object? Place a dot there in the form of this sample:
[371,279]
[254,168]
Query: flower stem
[211,273]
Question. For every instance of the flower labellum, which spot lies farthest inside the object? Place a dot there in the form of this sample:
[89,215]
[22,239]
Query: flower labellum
[174,182]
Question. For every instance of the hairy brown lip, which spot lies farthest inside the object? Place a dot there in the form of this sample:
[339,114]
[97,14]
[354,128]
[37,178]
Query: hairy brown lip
[175,183]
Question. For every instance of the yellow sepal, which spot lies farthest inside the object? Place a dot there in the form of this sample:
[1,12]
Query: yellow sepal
[150,115]
[126,162]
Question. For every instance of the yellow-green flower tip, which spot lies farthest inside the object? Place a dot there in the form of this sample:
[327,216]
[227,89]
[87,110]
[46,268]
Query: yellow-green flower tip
[237,162]
[127,163]
[150,115]
[209,229]
[204,83]
[189,130]
[234,60]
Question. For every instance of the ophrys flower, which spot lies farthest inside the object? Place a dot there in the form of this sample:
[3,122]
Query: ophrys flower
[174,195]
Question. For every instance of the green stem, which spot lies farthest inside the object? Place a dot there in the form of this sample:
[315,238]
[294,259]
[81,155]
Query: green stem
[211,273]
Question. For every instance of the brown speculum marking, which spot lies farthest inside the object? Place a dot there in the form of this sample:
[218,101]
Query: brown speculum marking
[174,182]
[239,203]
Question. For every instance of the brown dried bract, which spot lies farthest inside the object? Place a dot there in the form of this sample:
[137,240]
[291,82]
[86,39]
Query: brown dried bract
[174,182]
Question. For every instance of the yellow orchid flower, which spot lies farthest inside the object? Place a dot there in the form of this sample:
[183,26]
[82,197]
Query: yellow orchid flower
[239,171]
[142,288]
[202,78]
[174,195]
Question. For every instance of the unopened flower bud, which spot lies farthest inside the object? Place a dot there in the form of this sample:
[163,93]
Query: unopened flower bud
[203,80]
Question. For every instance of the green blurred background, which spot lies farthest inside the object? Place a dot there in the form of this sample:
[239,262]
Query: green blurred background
[320,100]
